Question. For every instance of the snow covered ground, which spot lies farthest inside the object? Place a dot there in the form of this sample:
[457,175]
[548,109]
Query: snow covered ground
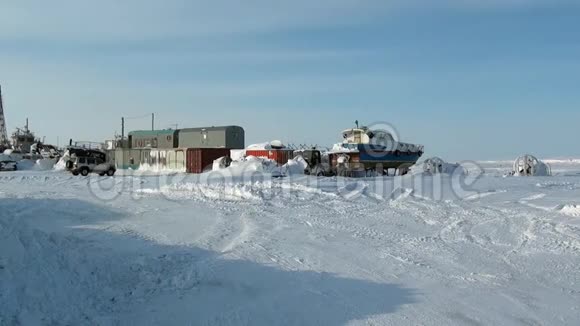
[246,249]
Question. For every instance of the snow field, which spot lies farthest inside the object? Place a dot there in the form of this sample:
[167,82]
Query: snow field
[252,250]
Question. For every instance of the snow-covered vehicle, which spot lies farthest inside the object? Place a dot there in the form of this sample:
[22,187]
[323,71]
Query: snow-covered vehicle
[7,165]
[316,164]
[86,164]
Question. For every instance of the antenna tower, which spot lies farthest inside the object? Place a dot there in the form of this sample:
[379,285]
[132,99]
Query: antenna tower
[4,141]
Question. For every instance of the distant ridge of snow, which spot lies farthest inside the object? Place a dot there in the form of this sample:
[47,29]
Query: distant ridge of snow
[546,160]
[496,162]
[563,161]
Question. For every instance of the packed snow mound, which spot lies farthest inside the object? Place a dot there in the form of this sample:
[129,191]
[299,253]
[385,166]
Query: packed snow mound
[295,166]
[275,144]
[221,163]
[61,164]
[35,165]
[436,165]
[252,164]
[237,154]
[45,164]
[570,210]
[260,146]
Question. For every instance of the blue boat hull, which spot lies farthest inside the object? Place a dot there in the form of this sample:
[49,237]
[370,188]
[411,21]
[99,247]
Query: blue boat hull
[374,158]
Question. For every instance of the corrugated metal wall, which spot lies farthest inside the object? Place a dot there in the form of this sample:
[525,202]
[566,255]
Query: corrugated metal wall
[154,139]
[215,137]
[126,158]
[232,137]
[167,159]
[281,156]
[191,160]
[201,159]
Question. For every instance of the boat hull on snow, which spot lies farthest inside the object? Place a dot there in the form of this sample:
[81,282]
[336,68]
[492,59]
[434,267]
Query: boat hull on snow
[366,152]
[365,161]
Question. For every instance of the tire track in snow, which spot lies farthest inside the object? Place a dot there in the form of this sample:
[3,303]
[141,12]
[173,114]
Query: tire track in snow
[242,234]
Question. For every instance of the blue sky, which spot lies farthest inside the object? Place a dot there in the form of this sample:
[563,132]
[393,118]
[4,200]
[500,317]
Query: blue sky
[469,79]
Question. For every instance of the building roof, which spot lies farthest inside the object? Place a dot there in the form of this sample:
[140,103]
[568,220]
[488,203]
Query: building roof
[152,132]
[213,128]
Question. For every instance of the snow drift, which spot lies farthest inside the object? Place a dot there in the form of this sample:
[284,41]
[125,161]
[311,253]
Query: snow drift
[26,164]
[328,251]
[253,164]
[570,210]
[275,144]
[295,166]
[436,165]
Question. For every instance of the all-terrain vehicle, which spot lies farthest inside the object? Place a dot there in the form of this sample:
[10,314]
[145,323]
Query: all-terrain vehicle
[84,165]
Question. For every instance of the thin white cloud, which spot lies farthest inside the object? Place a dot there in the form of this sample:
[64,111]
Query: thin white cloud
[134,20]
[106,20]
[82,80]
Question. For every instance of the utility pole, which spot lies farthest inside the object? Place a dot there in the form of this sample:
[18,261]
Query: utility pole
[152,121]
[122,132]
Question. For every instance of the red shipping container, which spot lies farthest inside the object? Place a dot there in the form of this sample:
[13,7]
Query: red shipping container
[200,159]
[281,156]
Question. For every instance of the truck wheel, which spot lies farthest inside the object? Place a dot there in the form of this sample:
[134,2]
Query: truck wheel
[84,172]
[111,172]
[75,173]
